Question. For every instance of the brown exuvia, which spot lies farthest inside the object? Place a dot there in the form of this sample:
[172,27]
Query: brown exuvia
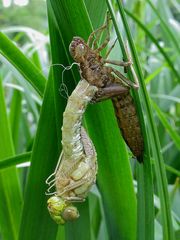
[111,84]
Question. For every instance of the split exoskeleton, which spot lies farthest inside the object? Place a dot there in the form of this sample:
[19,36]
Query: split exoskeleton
[77,167]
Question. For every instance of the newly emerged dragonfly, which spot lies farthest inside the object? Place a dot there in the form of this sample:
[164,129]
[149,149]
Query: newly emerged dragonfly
[111,84]
[76,169]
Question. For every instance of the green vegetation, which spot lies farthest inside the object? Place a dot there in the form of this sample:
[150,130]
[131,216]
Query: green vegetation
[131,200]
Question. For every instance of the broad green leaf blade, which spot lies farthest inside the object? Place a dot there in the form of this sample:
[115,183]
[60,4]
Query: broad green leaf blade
[96,11]
[35,222]
[45,151]
[95,215]
[10,193]
[82,225]
[29,71]
[114,176]
[75,228]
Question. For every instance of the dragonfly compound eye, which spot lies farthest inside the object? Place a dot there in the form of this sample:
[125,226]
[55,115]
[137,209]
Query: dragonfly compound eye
[55,207]
[80,50]
[61,211]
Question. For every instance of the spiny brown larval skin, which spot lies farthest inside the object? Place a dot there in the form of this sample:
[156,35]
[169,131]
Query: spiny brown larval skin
[129,124]
[93,69]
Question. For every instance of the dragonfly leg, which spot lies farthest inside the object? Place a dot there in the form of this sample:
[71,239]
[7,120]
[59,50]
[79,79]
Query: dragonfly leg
[73,186]
[112,90]
[107,39]
[49,180]
[97,34]
[124,64]
[119,63]
[125,80]
[74,199]
[49,189]
[110,49]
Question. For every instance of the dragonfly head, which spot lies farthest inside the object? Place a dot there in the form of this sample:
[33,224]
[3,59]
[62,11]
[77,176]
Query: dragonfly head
[78,49]
[61,211]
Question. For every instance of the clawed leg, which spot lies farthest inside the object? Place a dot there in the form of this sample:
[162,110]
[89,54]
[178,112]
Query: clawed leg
[110,91]
[73,186]
[107,39]
[125,80]
[129,64]
[49,180]
[74,199]
[94,33]
[97,33]
[110,49]
[49,190]
[119,63]
[97,38]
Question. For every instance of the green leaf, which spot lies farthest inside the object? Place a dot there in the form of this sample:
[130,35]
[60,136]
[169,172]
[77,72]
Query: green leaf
[45,152]
[17,159]
[145,198]
[167,29]
[36,222]
[155,41]
[153,135]
[22,64]
[15,115]
[10,193]
[100,119]
[173,134]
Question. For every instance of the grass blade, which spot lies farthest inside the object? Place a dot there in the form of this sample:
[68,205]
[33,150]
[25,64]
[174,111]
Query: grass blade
[172,38]
[22,64]
[15,116]
[9,182]
[17,159]
[160,169]
[145,198]
[173,134]
[35,222]
[154,40]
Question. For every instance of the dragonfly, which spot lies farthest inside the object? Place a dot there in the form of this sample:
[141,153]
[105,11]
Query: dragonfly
[111,84]
[76,170]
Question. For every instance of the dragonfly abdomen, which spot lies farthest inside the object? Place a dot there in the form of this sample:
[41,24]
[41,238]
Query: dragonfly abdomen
[129,124]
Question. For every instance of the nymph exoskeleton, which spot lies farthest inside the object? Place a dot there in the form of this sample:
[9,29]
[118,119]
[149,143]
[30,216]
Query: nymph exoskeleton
[76,169]
[111,84]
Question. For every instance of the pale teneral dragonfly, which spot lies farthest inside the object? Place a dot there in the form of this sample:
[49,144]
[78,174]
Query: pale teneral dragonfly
[77,167]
